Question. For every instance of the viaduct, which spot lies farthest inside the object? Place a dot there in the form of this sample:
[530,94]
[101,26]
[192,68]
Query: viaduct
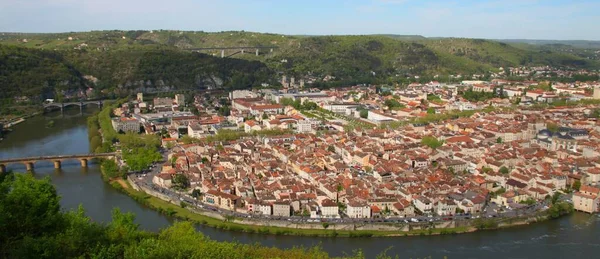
[236,50]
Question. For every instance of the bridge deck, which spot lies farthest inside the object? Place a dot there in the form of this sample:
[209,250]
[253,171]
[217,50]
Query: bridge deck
[59,157]
[242,47]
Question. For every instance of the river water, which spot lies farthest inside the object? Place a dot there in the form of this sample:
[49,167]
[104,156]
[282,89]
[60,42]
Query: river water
[575,236]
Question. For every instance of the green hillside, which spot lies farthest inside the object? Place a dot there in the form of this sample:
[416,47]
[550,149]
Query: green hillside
[36,65]
[40,73]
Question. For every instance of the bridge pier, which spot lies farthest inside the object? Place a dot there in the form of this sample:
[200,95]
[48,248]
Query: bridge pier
[2,169]
[57,164]
[256,52]
[29,166]
[242,50]
[222,53]
[84,162]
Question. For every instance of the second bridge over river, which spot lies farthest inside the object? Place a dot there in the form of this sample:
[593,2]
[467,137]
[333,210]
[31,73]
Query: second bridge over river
[57,160]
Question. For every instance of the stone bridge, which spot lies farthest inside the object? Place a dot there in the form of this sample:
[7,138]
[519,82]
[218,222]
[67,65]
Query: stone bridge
[80,104]
[30,161]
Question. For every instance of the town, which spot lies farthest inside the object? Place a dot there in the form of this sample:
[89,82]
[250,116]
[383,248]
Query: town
[420,152]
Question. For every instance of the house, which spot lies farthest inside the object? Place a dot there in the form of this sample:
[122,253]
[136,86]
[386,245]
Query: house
[250,126]
[281,209]
[510,197]
[423,204]
[329,209]
[445,207]
[403,208]
[358,209]
[587,199]
[195,130]
[163,180]
[222,200]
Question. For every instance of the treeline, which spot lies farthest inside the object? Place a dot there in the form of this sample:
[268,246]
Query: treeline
[32,225]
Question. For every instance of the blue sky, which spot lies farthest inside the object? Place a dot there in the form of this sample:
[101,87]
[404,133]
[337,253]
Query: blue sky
[498,19]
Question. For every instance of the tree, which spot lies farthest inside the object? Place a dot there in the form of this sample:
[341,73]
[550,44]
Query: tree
[576,185]
[224,111]
[364,113]
[430,110]
[110,168]
[504,170]
[265,116]
[432,142]
[393,104]
[499,140]
[331,149]
[29,208]
[338,189]
[555,197]
[181,181]
[552,127]
[195,110]
[196,193]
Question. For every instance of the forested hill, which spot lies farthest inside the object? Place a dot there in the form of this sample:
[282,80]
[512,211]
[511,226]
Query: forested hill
[120,61]
[41,73]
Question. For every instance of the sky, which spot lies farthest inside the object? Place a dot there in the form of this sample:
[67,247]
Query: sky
[494,19]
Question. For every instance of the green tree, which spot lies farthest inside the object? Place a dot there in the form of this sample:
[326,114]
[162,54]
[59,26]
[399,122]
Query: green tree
[364,113]
[29,208]
[196,193]
[576,185]
[181,181]
[552,127]
[430,110]
[555,197]
[499,140]
[432,142]
[393,104]
[504,170]
[331,148]
[224,111]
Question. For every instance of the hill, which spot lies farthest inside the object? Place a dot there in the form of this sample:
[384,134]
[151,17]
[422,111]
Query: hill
[120,61]
[41,73]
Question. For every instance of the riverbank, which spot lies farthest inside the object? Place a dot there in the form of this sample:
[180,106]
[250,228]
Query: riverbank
[172,209]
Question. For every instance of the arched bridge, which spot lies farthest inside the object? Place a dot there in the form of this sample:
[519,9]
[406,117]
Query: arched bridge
[80,104]
[236,50]
[30,161]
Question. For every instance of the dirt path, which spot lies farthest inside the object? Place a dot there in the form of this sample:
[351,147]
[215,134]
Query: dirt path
[121,182]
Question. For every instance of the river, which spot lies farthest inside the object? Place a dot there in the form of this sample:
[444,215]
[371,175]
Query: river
[574,236]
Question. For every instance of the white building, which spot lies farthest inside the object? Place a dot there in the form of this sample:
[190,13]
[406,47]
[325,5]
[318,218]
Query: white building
[423,204]
[126,124]
[180,99]
[329,209]
[356,209]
